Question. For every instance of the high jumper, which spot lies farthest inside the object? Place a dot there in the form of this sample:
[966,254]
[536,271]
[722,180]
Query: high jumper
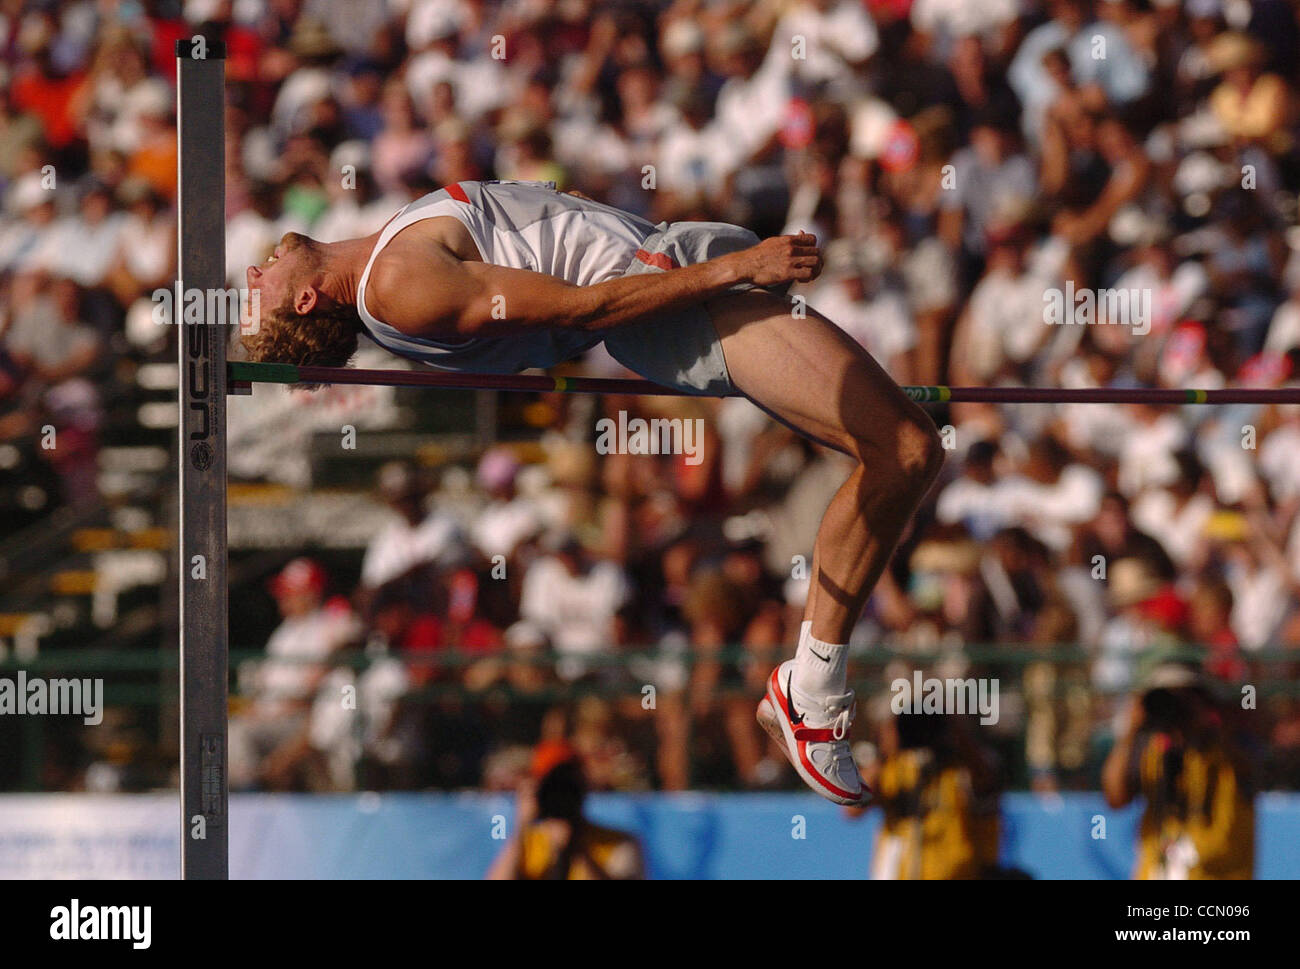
[495,277]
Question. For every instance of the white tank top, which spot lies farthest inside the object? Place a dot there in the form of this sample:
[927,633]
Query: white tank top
[522,225]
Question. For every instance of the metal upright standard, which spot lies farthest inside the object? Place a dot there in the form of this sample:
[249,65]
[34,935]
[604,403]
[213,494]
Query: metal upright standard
[201,233]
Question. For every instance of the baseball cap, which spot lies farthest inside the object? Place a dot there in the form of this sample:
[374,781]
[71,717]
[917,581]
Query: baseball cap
[550,754]
[300,575]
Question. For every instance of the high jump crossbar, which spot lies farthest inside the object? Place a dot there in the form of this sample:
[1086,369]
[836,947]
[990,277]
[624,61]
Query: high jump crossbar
[242,375]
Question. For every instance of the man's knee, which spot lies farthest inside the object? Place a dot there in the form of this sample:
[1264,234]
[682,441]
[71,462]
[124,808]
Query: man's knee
[920,449]
[908,455]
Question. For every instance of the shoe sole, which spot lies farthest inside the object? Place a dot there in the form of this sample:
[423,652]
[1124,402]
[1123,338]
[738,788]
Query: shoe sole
[776,726]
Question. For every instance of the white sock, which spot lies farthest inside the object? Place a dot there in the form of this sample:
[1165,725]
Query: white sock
[819,668]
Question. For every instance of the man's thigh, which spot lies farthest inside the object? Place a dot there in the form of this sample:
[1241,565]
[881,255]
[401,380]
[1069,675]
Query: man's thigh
[810,374]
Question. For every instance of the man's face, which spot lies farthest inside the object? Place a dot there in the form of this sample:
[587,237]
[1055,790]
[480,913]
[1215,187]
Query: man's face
[1069,13]
[296,603]
[987,142]
[288,272]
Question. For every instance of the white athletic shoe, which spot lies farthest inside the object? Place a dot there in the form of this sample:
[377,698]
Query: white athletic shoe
[815,737]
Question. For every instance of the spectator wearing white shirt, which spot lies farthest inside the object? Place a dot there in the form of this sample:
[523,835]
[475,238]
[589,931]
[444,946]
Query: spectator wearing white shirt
[824,43]
[748,116]
[1132,584]
[1146,457]
[311,82]
[977,500]
[1257,572]
[146,248]
[1055,494]
[412,538]
[1279,457]
[29,224]
[272,732]
[869,306]
[689,159]
[508,519]
[85,244]
[1002,326]
[573,601]
[1174,287]
[1176,515]
[1119,77]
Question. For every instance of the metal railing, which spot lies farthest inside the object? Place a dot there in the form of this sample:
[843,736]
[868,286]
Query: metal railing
[148,679]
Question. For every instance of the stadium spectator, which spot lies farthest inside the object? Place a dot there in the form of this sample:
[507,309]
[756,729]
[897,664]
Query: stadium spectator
[269,738]
[938,793]
[552,837]
[573,600]
[414,538]
[1177,751]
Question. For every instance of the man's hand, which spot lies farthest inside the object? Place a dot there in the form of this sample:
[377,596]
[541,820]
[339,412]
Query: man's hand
[780,260]
[1135,715]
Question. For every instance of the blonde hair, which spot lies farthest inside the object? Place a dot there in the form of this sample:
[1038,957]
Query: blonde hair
[326,337]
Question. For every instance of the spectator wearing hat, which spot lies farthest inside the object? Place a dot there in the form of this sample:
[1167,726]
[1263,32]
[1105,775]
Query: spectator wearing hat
[1253,106]
[749,114]
[27,237]
[1148,613]
[838,39]
[508,519]
[272,727]
[314,51]
[1001,326]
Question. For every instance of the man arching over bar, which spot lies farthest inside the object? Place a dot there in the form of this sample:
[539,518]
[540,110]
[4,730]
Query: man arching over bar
[498,277]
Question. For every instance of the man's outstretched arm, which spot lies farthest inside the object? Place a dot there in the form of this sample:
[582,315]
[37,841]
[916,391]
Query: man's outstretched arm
[461,300]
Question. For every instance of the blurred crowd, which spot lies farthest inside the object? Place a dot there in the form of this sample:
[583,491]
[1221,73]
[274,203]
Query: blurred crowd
[958,159]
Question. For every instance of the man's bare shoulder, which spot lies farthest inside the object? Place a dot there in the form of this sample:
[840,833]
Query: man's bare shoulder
[411,271]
